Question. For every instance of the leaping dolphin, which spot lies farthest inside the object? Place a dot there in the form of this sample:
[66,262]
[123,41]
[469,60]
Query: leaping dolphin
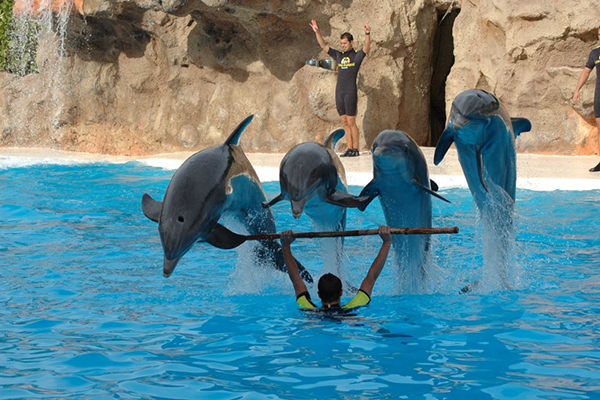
[401,180]
[313,179]
[215,183]
[484,135]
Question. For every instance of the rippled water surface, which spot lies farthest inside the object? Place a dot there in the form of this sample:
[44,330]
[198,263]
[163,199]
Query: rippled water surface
[86,313]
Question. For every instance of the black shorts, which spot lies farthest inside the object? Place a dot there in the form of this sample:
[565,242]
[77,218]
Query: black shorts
[346,103]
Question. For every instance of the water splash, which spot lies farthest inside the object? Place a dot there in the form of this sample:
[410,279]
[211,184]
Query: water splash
[500,268]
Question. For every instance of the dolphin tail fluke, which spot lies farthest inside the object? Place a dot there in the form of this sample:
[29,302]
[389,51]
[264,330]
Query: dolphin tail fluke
[223,238]
[481,169]
[443,145]
[520,125]
[344,199]
[151,207]
[333,138]
[234,138]
[276,200]
[431,192]
[371,191]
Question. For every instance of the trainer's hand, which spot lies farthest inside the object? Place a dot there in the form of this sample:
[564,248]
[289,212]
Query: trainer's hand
[287,238]
[367,28]
[576,97]
[384,234]
[314,26]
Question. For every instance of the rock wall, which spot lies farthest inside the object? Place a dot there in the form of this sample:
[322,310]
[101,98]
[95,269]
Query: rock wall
[531,54]
[149,76]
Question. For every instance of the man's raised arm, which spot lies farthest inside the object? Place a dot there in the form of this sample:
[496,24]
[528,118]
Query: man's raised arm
[379,262]
[367,45]
[322,43]
[286,240]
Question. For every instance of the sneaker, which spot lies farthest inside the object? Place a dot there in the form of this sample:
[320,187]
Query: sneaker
[596,168]
[348,153]
[356,153]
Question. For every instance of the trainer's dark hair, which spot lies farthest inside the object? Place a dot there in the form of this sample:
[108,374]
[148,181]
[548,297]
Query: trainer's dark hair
[330,287]
[347,35]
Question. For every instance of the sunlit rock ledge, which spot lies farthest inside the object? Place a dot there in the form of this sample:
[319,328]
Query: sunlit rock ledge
[148,76]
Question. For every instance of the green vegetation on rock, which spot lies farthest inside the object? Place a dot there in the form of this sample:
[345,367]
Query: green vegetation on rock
[6,7]
[17,51]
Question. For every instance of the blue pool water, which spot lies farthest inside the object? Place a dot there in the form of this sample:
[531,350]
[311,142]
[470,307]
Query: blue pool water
[86,313]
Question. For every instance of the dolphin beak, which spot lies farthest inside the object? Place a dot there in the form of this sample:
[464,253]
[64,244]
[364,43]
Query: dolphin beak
[169,266]
[297,208]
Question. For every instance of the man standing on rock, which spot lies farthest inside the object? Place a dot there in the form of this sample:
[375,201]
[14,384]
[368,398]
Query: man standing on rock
[346,93]
[593,61]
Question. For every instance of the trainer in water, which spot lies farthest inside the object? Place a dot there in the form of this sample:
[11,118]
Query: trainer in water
[330,286]
[593,61]
[346,93]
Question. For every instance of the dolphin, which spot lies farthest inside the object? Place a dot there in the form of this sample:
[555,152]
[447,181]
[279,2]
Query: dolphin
[313,179]
[213,185]
[401,180]
[484,135]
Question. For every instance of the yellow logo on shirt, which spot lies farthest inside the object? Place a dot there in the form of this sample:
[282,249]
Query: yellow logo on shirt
[345,63]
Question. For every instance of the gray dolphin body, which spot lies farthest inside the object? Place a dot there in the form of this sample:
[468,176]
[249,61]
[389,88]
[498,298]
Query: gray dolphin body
[484,135]
[313,179]
[401,180]
[214,184]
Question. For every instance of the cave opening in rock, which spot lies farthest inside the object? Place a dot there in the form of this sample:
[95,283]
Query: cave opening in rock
[442,61]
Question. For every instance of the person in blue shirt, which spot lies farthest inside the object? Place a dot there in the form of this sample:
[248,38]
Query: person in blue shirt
[346,93]
[330,286]
[593,61]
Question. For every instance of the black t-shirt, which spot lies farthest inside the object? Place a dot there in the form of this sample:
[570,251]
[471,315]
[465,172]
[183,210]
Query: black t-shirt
[593,61]
[348,64]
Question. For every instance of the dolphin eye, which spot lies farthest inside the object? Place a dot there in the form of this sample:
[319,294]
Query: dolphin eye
[180,218]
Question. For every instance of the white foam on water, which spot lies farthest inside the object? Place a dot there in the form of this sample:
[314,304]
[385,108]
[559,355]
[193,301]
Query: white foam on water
[271,174]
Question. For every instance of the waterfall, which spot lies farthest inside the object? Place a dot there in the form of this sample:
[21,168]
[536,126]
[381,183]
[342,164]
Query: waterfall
[38,55]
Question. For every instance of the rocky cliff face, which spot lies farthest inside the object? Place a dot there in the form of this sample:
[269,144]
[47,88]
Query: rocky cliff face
[150,76]
[531,54]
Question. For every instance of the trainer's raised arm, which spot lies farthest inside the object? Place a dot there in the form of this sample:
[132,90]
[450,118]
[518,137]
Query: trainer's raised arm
[322,43]
[367,45]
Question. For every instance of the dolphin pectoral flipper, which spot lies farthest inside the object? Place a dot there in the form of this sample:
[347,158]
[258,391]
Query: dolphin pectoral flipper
[520,125]
[480,168]
[223,238]
[434,186]
[151,207]
[333,138]
[276,200]
[344,199]
[443,145]
[431,192]
[372,191]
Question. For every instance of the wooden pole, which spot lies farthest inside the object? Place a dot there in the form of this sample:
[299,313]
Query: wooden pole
[360,232]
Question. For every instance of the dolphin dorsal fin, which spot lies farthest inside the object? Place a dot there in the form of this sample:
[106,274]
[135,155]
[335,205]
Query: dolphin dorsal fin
[520,125]
[333,138]
[234,138]
[443,144]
